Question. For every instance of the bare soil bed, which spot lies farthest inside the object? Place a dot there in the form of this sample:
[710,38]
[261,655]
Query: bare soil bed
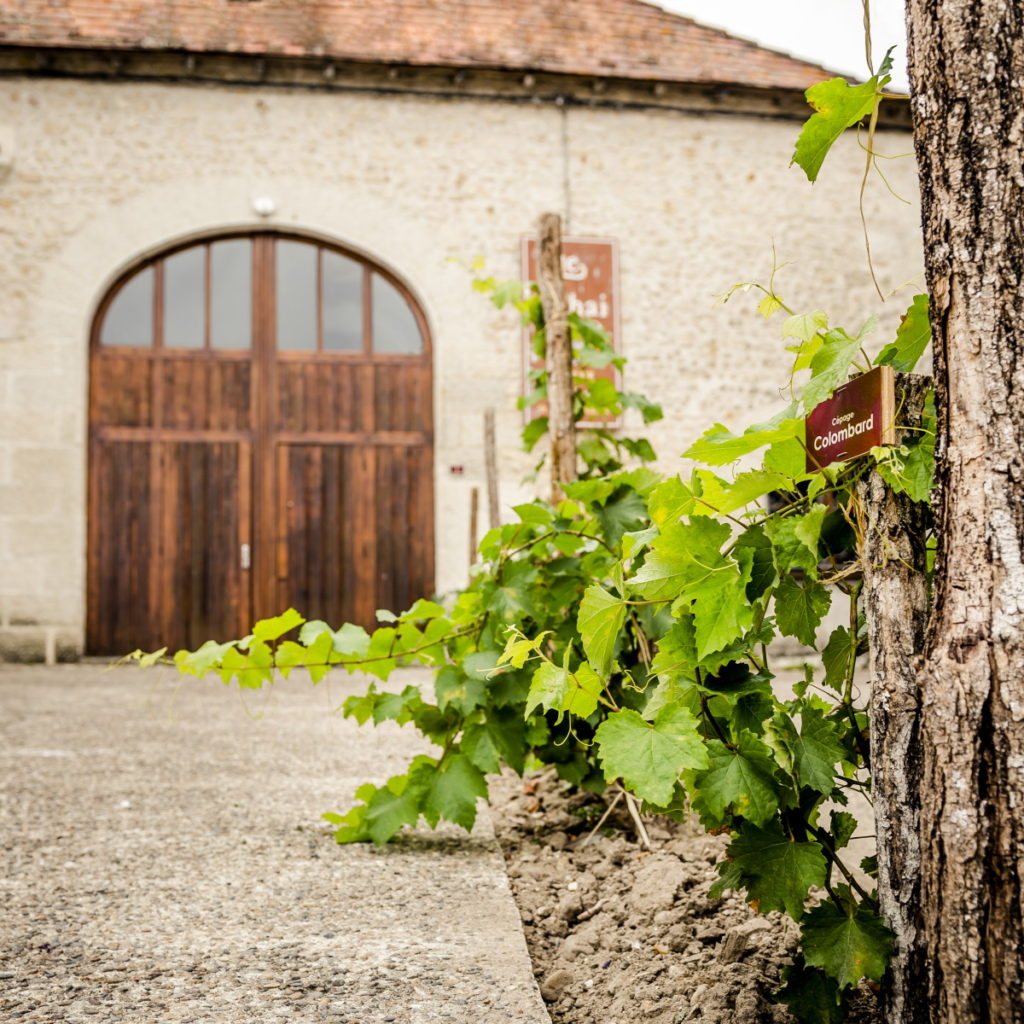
[622,935]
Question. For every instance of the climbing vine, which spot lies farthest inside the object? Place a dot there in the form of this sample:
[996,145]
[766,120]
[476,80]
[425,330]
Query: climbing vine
[624,636]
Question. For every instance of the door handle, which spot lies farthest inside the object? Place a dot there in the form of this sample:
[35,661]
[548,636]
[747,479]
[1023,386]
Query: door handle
[246,556]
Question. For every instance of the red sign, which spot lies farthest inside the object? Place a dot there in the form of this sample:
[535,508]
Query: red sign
[859,416]
[590,268]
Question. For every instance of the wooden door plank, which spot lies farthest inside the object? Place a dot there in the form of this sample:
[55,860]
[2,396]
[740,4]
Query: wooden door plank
[360,514]
[243,616]
[332,524]
[265,455]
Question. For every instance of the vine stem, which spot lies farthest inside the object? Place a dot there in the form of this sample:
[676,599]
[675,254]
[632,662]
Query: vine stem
[851,668]
[710,717]
[554,533]
[825,839]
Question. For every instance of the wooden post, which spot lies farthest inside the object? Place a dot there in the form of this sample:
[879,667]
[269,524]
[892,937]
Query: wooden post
[491,469]
[474,515]
[561,425]
[896,605]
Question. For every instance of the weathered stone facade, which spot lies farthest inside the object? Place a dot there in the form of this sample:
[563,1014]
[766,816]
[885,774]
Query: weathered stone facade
[104,172]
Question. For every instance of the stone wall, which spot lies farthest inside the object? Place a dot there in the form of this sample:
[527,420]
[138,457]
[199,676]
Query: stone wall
[105,172]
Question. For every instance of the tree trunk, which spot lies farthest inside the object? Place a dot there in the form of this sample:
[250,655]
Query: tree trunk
[896,602]
[561,424]
[967,70]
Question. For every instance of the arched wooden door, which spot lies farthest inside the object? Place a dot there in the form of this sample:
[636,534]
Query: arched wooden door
[261,435]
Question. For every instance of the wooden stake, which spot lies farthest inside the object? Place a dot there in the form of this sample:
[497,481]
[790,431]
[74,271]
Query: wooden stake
[474,515]
[491,468]
[561,425]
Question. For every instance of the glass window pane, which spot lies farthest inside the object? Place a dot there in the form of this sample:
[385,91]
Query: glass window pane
[296,295]
[343,303]
[129,318]
[185,298]
[395,329]
[231,293]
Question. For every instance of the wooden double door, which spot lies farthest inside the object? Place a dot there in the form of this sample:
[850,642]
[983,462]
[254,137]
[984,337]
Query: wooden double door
[260,437]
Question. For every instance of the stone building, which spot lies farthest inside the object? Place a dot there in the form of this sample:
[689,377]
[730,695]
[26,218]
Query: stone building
[241,364]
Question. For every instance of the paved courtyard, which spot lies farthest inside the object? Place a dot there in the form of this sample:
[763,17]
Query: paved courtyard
[163,860]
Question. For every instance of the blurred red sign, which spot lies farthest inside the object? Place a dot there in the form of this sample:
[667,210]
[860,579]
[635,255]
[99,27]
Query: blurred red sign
[590,268]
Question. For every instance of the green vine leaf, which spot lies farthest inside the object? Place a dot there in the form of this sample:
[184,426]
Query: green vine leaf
[847,946]
[789,458]
[600,619]
[912,338]
[837,655]
[671,691]
[351,641]
[558,689]
[805,327]
[669,502]
[800,607]
[453,791]
[722,497]
[510,596]
[272,629]
[252,668]
[453,686]
[204,659]
[831,364]
[649,411]
[843,825]
[718,446]
[795,540]
[478,745]
[811,995]
[776,870]
[718,601]
[740,780]
[763,574]
[392,806]
[909,468]
[815,750]
[671,561]
[649,757]
[685,565]
[422,610]
[837,105]
[624,510]
[380,653]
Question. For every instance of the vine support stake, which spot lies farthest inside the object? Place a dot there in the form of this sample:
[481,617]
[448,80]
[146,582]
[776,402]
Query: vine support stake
[474,513]
[894,557]
[561,424]
[491,469]
[633,806]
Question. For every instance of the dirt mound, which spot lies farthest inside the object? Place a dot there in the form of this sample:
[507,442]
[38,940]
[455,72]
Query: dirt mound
[619,934]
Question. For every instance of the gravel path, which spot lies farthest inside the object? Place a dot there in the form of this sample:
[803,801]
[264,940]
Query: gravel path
[163,861]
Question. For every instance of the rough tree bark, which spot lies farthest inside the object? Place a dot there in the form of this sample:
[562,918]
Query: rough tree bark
[967,73]
[896,604]
[561,424]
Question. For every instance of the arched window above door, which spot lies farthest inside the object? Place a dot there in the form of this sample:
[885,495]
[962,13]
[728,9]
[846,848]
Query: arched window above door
[297,294]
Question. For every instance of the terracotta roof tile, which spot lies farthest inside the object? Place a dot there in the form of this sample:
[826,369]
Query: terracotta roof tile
[621,38]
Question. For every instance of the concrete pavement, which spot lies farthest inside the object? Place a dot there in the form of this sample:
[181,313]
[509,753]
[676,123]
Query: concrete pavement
[163,861]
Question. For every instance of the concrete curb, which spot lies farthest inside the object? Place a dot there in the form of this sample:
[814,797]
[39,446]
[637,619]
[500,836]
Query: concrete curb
[166,862]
